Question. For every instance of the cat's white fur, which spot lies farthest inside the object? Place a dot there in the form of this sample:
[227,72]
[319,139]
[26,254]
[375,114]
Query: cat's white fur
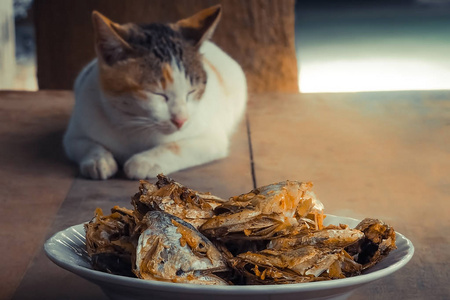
[103,134]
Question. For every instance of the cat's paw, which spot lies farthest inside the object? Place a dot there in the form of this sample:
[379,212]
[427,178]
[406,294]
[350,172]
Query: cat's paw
[138,167]
[101,167]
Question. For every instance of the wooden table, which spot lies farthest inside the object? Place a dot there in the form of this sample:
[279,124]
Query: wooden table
[384,155]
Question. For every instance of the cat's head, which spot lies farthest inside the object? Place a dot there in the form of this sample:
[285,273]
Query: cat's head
[154,73]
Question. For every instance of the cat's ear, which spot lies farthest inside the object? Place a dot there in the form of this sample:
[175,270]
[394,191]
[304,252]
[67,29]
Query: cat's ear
[109,39]
[200,26]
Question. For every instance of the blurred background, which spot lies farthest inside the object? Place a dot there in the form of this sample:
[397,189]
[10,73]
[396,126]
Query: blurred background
[382,45]
[341,46]
[17,47]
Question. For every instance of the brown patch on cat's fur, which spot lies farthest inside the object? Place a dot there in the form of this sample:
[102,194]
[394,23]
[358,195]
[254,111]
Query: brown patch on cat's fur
[110,45]
[200,26]
[120,79]
[174,147]
[166,75]
[219,76]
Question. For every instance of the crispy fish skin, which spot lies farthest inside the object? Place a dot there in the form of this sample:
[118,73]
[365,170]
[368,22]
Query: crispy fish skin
[296,265]
[378,242]
[271,235]
[170,249]
[263,212]
[332,238]
[172,197]
[110,242]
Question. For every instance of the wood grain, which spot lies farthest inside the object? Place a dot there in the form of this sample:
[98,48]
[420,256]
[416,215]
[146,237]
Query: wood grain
[34,176]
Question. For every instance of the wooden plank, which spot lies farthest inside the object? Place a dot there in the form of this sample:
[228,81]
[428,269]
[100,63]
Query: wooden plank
[259,34]
[34,176]
[382,155]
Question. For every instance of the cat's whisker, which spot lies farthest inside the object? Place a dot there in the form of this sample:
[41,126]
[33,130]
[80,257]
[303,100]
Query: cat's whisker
[138,128]
[136,122]
[137,125]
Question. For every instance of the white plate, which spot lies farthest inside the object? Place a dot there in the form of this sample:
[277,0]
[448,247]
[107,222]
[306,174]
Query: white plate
[67,249]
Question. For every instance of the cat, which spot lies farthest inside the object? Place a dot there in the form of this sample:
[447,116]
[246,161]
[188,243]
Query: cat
[158,98]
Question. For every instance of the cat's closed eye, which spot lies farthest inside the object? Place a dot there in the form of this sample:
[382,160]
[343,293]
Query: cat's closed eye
[189,94]
[161,95]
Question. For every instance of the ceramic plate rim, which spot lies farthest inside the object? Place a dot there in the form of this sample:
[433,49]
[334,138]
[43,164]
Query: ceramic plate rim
[102,277]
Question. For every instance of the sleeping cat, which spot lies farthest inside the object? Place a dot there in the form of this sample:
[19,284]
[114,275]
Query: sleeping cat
[158,98]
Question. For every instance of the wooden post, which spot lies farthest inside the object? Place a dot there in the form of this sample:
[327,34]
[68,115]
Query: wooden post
[259,34]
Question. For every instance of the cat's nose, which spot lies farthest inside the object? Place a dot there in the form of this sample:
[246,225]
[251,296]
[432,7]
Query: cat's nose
[178,122]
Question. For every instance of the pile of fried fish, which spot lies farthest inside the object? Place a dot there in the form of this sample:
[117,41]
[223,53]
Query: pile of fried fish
[271,235]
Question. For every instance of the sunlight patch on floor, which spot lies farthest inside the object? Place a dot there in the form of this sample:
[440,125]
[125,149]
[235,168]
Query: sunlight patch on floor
[378,49]
[378,74]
